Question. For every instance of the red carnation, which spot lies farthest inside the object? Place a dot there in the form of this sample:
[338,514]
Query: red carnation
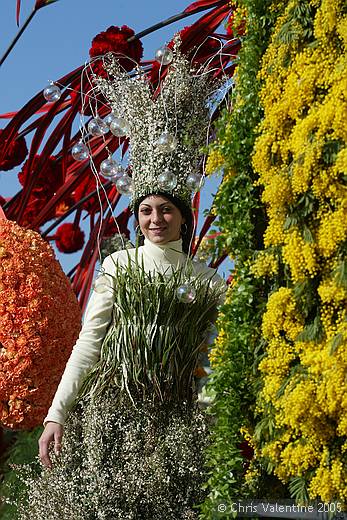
[115,40]
[16,153]
[69,238]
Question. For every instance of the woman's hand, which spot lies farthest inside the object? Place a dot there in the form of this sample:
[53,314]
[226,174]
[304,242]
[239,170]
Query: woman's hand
[53,432]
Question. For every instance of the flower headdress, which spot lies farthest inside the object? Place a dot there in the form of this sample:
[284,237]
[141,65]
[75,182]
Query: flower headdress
[167,128]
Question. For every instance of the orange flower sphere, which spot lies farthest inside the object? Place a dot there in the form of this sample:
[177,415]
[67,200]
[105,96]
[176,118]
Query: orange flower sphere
[40,319]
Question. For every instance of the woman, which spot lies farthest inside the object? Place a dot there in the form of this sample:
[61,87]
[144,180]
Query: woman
[160,222]
[170,408]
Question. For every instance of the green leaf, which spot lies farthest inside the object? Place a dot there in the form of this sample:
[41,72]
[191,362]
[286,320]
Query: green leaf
[330,150]
[312,332]
[341,274]
[307,234]
[298,489]
[336,342]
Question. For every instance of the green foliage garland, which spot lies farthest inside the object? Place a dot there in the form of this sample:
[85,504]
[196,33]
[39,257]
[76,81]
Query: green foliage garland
[242,222]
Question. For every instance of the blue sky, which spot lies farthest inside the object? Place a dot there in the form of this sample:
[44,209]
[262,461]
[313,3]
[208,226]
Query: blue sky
[58,40]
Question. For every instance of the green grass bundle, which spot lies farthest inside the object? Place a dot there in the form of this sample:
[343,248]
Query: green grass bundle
[152,344]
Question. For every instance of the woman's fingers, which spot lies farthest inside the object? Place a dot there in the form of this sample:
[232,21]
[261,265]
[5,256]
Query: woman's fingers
[44,443]
[53,433]
[57,442]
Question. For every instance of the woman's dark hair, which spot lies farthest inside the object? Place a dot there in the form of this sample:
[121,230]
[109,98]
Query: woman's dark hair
[185,210]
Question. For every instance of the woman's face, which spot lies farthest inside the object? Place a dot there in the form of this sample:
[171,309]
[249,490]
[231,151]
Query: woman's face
[160,220]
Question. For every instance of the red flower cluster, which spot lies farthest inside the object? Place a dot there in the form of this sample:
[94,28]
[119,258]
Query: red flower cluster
[115,40]
[69,238]
[47,182]
[39,323]
[49,178]
[16,153]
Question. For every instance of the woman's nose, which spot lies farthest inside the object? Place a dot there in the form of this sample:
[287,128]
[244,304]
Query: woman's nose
[157,216]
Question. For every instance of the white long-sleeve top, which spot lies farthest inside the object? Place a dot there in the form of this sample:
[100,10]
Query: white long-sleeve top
[86,351]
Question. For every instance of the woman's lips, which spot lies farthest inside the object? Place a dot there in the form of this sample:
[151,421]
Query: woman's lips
[157,230]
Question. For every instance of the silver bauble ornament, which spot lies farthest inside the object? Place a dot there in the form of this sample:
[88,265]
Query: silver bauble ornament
[52,92]
[164,55]
[167,181]
[194,181]
[120,173]
[108,120]
[167,142]
[120,127]
[80,151]
[186,293]
[97,127]
[124,185]
[109,168]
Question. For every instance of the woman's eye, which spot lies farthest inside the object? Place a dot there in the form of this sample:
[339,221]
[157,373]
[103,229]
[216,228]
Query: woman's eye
[147,211]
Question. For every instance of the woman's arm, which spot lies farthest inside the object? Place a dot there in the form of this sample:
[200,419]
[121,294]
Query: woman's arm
[84,354]
[86,351]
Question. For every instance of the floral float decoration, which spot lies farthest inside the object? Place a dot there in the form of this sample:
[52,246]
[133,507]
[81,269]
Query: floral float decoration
[39,323]
[45,206]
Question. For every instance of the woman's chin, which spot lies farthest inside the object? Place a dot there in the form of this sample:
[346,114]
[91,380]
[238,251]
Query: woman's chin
[158,239]
[161,238]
